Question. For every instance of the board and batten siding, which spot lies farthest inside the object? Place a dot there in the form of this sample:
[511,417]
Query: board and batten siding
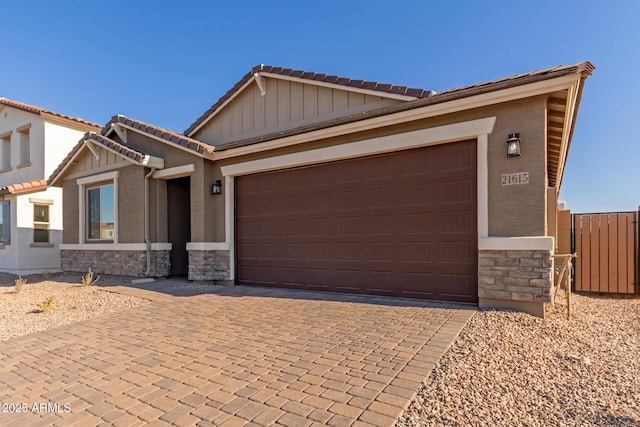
[286,105]
[88,162]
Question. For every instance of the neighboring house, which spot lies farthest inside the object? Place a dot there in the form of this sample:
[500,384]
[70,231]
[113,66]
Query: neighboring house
[308,181]
[33,141]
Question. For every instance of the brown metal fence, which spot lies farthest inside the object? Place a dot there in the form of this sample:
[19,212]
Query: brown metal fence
[607,249]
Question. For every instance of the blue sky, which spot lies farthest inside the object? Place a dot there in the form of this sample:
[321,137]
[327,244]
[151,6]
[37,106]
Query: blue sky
[166,62]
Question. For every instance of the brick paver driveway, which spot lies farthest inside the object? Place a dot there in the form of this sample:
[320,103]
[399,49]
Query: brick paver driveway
[239,356]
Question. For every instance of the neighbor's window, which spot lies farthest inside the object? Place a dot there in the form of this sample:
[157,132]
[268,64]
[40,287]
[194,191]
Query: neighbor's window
[6,152]
[25,156]
[5,222]
[40,223]
[100,215]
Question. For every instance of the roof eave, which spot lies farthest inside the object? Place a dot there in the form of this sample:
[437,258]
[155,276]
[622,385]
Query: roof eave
[439,104]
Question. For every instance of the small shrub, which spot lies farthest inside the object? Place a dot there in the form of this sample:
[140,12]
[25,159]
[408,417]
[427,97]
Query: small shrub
[19,283]
[88,279]
[46,305]
[47,275]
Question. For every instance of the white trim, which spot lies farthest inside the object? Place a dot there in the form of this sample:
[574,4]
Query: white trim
[98,178]
[479,129]
[528,243]
[505,95]
[152,162]
[175,172]
[229,221]
[208,246]
[115,247]
[89,144]
[384,144]
[381,94]
[262,85]
[82,185]
[482,181]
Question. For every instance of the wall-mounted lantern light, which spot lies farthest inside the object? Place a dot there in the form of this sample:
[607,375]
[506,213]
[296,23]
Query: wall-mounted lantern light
[513,145]
[216,188]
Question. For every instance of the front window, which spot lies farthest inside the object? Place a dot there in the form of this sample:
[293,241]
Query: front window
[100,221]
[40,223]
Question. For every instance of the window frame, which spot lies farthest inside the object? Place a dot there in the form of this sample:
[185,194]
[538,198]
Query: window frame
[5,222]
[42,225]
[5,151]
[88,190]
[24,142]
[90,182]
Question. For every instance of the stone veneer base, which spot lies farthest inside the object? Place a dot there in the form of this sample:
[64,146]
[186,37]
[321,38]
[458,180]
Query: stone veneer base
[118,263]
[517,279]
[209,266]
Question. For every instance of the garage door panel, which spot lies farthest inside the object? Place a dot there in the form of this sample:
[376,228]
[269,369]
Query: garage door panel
[418,195]
[400,224]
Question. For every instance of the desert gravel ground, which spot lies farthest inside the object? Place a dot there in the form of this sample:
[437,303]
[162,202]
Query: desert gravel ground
[19,314]
[513,369]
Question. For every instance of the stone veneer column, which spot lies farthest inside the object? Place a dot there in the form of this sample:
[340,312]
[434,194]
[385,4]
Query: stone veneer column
[209,266]
[516,273]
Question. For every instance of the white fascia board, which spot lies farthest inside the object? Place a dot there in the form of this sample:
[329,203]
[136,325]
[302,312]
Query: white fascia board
[528,243]
[98,178]
[379,93]
[175,172]
[164,141]
[383,144]
[505,95]
[115,247]
[208,246]
[152,162]
[221,106]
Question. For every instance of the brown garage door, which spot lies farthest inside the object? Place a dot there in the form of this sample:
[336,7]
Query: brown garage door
[400,224]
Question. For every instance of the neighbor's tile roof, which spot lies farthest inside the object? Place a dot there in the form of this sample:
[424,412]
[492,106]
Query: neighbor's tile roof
[44,112]
[307,75]
[583,68]
[123,150]
[169,136]
[25,186]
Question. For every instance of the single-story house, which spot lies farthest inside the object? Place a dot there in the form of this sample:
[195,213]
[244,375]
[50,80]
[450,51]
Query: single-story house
[33,142]
[310,181]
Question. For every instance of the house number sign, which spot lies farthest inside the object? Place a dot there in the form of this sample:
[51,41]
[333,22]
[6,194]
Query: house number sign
[515,178]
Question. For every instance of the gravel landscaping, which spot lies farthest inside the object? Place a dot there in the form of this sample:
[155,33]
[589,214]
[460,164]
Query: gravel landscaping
[513,369]
[72,302]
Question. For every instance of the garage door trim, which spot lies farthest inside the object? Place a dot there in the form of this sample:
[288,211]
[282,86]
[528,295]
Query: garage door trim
[479,129]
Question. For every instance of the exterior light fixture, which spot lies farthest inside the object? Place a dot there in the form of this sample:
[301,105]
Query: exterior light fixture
[513,145]
[216,188]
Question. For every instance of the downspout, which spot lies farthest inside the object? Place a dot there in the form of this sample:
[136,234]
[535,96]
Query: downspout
[147,240]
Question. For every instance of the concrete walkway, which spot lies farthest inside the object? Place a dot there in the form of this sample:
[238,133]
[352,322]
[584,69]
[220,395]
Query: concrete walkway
[234,356]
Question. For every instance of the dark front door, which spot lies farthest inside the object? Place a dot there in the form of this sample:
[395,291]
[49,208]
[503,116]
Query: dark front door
[179,222]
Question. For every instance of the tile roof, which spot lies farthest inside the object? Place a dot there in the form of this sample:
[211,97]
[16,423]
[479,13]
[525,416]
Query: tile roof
[582,68]
[115,146]
[24,187]
[44,112]
[307,75]
[165,134]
